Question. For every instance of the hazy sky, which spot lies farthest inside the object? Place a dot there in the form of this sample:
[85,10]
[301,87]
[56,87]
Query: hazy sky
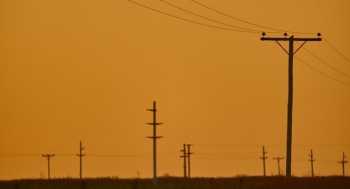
[87,70]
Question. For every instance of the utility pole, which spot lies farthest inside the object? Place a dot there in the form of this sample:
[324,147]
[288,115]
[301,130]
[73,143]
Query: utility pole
[343,163]
[264,158]
[312,163]
[154,137]
[81,160]
[188,158]
[290,53]
[48,156]
[279,168]
[184,156]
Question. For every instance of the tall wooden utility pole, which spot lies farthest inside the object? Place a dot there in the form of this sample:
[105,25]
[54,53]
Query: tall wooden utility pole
[264,158]
[343,163]
[188,158]
[48,156]
[278,162]
[154,137]
[184,156]
[312,163]
[81,160]
[290,53]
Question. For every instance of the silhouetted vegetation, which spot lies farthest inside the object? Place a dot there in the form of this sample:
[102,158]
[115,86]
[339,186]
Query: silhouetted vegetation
[243,182]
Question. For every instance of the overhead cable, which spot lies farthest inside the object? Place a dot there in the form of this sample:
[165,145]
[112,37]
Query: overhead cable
[210,18]
[250,22]
[191,21]
[322,72]
[335,49]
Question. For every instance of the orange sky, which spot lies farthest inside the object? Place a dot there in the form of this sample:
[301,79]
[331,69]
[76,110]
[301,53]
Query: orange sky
[88,70]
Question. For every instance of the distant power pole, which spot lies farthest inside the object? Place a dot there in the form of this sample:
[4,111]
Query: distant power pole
[48,156]
[312,163]
[81,160]
[154,137]
[188,158]
[343,163]
[290,53]
[184,156]
[264,158]
[279,168]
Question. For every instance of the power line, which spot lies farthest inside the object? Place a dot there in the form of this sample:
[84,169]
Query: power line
[210,18]
[326,63]
[18,155]
[27,155]
[119,156]
[191,21]
[219,156]
[257,31]
[270,145]
[250,22]
[335,49]
[322,72]
[226,158]
[246,30]
[129,156]
[37,148]
[234,145]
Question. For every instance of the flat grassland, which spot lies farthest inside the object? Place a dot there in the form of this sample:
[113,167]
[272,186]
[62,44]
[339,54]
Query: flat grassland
[244,182]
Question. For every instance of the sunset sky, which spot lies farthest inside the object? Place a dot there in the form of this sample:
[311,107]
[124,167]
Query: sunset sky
[87,70]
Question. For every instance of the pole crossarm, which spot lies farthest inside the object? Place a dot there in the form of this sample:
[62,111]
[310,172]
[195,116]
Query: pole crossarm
[287,39]
[154,123]
[154,137]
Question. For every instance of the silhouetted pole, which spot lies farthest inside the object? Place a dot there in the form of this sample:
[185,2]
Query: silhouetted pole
[188,158]
[343,163]
[278,162]
[312,163]
[48,156]
[290,53]
[81,160]
[154,137]
[184,156]
[264,158]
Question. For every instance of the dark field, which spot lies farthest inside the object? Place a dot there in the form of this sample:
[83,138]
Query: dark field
[246,182]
